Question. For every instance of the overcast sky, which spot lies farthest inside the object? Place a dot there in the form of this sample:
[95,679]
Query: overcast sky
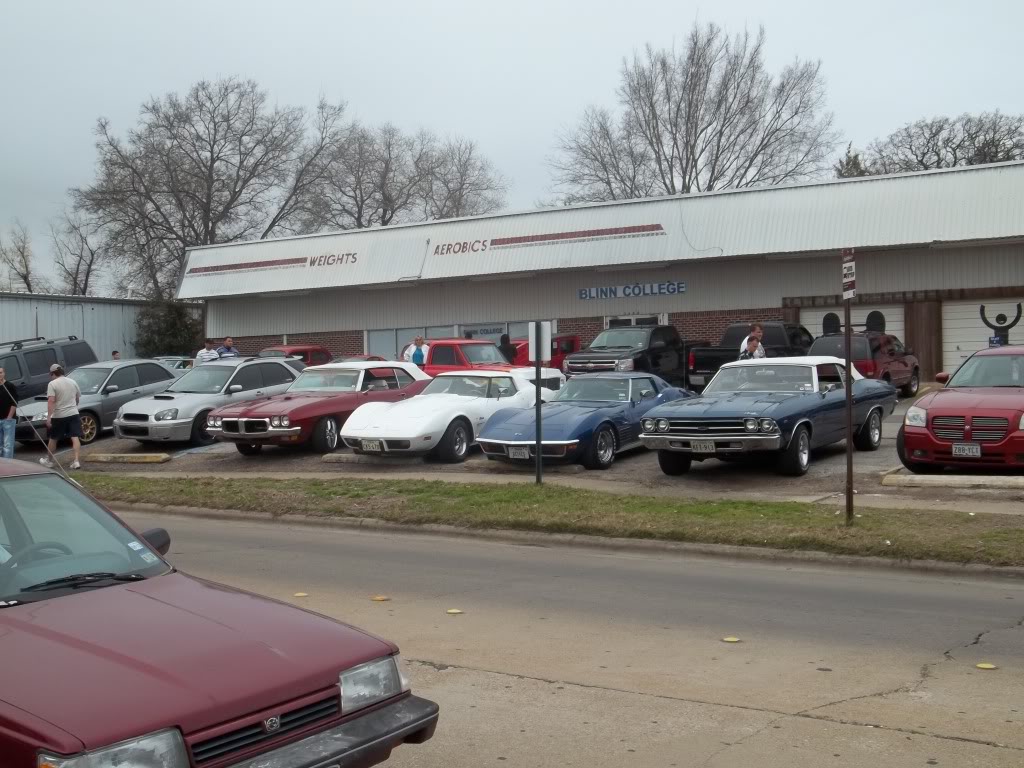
[510,75]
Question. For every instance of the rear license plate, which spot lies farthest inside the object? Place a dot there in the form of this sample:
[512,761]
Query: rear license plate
[970,450]
[698,380]
[371,445]
[702,446]
[519,453]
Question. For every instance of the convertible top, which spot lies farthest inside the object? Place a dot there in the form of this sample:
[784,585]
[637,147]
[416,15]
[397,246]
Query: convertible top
[805,362]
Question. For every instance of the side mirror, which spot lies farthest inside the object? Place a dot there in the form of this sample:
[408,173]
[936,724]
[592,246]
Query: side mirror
[503,392]
[234,388]
[111,389]
[159,539]
[942,378]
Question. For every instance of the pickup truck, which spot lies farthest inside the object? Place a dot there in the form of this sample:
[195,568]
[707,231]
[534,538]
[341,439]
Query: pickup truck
[562,344]
[780,340]
[310,354]
[656,349]
[445,355]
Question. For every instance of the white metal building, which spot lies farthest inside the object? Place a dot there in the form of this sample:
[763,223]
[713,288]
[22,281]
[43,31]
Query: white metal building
[932,248]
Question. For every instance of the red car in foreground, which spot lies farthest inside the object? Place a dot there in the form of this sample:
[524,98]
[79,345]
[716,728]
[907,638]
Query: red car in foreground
[975,420]
[315,406]
[122,660]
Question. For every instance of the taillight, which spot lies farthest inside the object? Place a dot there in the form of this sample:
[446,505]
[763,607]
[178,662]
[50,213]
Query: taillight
[867,368]
[692,360]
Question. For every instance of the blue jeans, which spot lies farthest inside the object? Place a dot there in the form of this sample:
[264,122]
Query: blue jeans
[7,438]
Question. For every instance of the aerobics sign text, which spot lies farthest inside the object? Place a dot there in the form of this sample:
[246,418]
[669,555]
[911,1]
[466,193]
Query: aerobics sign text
[631,291]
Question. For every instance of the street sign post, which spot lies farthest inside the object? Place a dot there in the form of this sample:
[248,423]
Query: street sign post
[849,293]
[540,352]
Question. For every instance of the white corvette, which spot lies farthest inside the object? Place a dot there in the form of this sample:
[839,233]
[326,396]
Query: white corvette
[443,420]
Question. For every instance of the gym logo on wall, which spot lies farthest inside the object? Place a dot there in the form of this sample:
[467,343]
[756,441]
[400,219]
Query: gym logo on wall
[1001,328]
[875,322]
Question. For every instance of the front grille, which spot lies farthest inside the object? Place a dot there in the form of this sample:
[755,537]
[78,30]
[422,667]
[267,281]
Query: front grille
[398,445]
[134,431]
[242,738]
[230,426]
[135,417]
[949,427]
[707,428]
[592,365]
[983,429]
[255,425]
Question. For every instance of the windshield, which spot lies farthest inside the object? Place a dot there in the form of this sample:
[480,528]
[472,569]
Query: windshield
[620,338]
[89,380]
[762,378]
[611,390]
[326,381]
[483,353]
[51,530]
[206,379]
[467,386]
[990,371]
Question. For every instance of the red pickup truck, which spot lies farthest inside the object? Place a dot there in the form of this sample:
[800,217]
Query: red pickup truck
[310,354]
[562,344]
[465,354]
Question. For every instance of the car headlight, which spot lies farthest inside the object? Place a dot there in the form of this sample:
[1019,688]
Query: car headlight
[275,421]
[916,417]
[285,421]
[170,413]
[164,749]
[767,425]
[648,424]
[1021,425]
[624,365]
[750,425]
[662,425]
[371,682]
[211,422]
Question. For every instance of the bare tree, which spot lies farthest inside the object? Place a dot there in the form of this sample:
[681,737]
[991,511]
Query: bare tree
[949,142]
[708,117]
[17,257]
[79,250]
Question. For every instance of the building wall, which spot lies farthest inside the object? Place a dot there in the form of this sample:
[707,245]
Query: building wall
[338,343]
[709,326]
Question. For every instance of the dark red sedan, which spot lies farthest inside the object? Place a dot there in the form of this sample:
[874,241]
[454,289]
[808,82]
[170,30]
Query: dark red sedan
[315,406]
[975,420]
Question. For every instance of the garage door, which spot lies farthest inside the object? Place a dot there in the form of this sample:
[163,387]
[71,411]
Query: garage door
[964,330]
[811,318]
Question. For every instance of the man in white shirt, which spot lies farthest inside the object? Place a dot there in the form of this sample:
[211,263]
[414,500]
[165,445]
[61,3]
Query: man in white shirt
[62,417]
[207,354]
[757,332]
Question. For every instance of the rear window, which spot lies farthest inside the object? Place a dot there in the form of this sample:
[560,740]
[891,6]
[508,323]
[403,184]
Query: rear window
[734,335]
[39,361]
[79,353]
[835,346]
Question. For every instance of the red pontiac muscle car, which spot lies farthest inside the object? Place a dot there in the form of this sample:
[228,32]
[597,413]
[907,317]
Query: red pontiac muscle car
[976,420]
[315,406]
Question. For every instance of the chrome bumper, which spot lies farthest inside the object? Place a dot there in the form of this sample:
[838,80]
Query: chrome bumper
[262,434]
[157,431]
[739,444]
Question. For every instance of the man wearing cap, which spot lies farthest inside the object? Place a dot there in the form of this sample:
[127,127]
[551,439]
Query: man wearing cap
[62,417]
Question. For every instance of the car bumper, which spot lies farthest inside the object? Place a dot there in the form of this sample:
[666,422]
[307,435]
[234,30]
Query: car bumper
[23,431]
[391,446]
[367,740]
[178,430]
[922,447]
[744,444]
[268,436]
[551,450]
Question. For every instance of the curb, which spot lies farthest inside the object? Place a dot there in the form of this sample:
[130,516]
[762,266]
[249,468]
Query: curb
[470,465]
[902,479]
[127,458]
[585,541]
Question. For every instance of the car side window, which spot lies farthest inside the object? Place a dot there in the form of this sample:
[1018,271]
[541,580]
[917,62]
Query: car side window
[248,377]
[319,358]
[443,355]
[298,365]
[153,374]
[39,361]
[403,378]
[124,378]
[378,379]
[78,354]
[12,368]
[897,346]
[275,374]
[499,383]
[829,376]
[566,346]
[644,389]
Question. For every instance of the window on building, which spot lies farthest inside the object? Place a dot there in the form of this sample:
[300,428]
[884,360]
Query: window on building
[440,332]
[625,321]
[383,344]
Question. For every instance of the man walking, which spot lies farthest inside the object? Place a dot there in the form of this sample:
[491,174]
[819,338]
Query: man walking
[62,417]
[208,353]
[228,349]
[8,415]
[417,353]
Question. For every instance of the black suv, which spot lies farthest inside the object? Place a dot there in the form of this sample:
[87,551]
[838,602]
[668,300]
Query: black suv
[657,349]
[26,362]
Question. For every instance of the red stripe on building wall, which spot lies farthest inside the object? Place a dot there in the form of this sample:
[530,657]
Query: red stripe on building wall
[246,265]
[555,236]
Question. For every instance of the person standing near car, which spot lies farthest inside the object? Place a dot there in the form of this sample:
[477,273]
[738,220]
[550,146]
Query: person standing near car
[207,354]
[228,349]
[115,355]
[8,415]
[417,353]
[756,332]
[62,417]
[507,348]
[750,351]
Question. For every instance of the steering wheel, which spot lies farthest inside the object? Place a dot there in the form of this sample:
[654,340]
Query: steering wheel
[39,546]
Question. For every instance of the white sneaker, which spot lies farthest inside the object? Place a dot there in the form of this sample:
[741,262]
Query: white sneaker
[46,463]
[75,465]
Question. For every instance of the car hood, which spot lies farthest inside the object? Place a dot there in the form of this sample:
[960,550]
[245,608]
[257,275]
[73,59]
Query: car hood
[185,402]
[278,405]
[724,405]
[560,420]
[962,400]
[175,649]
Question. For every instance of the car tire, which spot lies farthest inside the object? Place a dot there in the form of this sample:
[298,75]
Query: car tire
[600,452]
[200,435]
[454,446]
[796,458]
[90,428]
[869,436]
[917,467]
[911,387]
[674,463]
[249,449]
[326,438]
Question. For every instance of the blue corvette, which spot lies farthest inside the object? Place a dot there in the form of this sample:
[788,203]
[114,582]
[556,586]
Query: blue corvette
[592,418]
[780,408]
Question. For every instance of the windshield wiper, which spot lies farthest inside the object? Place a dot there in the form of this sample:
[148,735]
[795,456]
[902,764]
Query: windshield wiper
[76,580]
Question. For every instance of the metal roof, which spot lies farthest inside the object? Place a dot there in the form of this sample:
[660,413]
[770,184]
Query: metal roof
[960,205]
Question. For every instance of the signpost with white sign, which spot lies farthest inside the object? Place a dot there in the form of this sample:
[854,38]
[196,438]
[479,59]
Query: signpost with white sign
[849,293]
[540,352]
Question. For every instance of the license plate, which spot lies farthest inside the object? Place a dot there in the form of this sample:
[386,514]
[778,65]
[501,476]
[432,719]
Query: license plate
[519,453]
[371,445]
[698,380]
[970,450]
[702,446]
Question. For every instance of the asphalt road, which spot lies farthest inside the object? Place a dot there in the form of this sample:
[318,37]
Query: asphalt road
[582,658]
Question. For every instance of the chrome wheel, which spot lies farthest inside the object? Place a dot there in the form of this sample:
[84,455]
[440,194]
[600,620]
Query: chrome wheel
[331,433]
[605,447]
[461,442]
[89,427]
[875,428]
[804,450]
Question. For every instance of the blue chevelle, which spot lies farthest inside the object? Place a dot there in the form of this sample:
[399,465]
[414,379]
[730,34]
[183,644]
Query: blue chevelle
[591,419]
[781,408]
